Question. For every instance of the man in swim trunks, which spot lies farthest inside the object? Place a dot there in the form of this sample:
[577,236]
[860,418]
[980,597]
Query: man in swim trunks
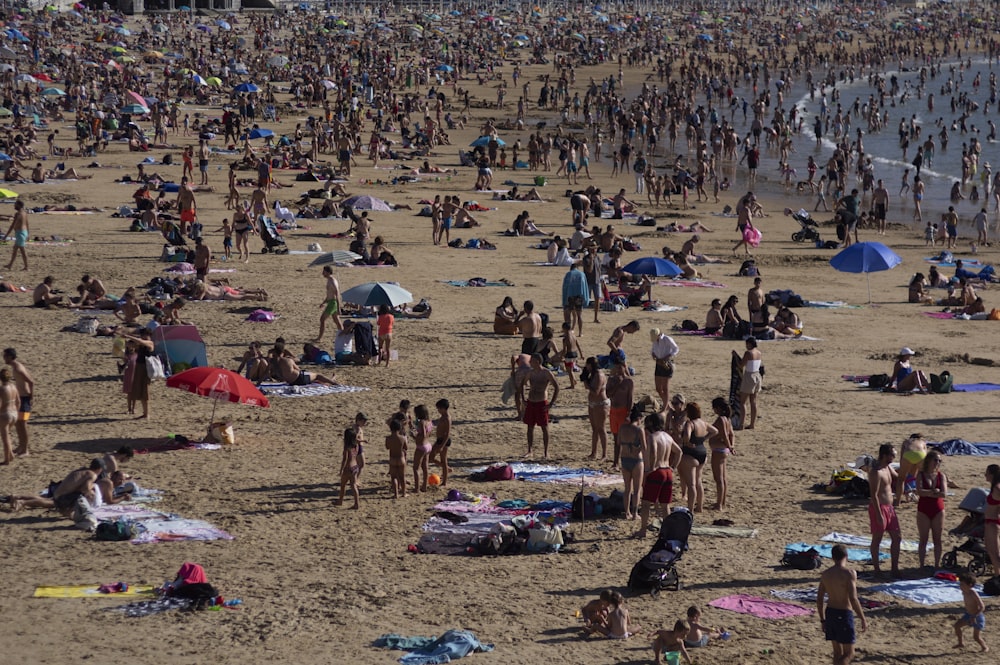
[529,325]
[202,259]
[661,454]
[290,373]
[203,160]
[881,513]
[19,229]
[331,305]
[536,406]
[63,496]
[43,296]
[26,390]
[840,583]
[186,205]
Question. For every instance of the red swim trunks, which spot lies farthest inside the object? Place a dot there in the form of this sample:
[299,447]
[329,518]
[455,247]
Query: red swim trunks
[188,215]
[659,486]
[536,413]
[888,515]
[619,416]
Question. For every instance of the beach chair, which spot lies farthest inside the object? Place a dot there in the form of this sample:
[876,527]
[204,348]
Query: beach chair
[613,297]
[270,113]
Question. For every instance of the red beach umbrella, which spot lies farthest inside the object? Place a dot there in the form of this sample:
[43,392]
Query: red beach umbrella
[218,383]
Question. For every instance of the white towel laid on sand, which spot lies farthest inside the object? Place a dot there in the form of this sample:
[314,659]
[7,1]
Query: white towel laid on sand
[311,390]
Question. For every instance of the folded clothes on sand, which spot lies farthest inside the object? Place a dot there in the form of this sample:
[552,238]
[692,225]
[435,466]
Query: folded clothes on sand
[761,608]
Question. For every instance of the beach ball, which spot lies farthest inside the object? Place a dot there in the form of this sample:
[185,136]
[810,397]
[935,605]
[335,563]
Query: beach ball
[433,480]
[453,495]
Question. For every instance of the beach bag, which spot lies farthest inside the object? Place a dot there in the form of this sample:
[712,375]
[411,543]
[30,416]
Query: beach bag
[994,315]
[688,324]
[87,325]
[118,347]
[154,369]
[585,506]
[879,381]
[808,560]
[544,539]
[749,269]
[942,383]
[614,505]
[991,587]
[113,531]
[499,472]
[752,235]
[314,247]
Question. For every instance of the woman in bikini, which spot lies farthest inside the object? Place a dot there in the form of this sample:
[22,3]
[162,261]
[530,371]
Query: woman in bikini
[350,468]
[10,402]
[693,455]
[722,444]
[911,458]
[242,227]
[992,517]
[932,486]
[598,406]
[632,441]
[422,449]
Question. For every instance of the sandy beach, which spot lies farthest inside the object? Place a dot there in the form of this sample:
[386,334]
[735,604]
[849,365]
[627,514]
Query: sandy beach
[320,583]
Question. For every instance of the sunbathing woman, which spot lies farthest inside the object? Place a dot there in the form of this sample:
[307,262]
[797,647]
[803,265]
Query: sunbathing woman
[904,377]
[427,168]
[202,291]
[524,226]
[760,326]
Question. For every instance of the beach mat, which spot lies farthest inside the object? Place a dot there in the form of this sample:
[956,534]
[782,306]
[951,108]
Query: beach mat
[171,530]
[809,596]
[826,551]
[90,591]
[866,541]
[703,283]
[927,591]
[312,390]
[762,608]
[830,304]
[546,473]
[939,315]
[465,282]
[712,531]
[666,308]
[145,608]
[975,387]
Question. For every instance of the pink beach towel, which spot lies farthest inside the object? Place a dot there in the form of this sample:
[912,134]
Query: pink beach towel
[759,607]
[939,315]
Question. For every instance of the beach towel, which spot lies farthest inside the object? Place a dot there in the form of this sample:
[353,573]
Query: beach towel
[797,338]
[394,641]
[90,591]
[480,504]
[927,591]
[144,608]
[311,390]
[761,608]
[826,551]
[467,282]
[963,447]
[713,531]
[809,596]
[830,304]
[975,387]
[544,473]
[110,513]
[939,315]
[452,645]
[666,308]
[704,283]
[174,529]
[866,541]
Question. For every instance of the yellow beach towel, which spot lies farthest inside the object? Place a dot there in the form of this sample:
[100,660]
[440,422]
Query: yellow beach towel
[90,591]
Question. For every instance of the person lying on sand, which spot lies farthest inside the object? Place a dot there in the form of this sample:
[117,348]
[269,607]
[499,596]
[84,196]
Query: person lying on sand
[220,291]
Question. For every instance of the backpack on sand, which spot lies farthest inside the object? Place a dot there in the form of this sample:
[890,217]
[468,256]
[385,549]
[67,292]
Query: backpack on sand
[808,560]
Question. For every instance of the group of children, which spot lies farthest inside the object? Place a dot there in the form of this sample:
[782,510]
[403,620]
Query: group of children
[608,616]
[402,425]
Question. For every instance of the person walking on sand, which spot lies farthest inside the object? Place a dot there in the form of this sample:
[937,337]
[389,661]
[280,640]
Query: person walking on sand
[536,404]
[751,364]
[974,612]
[26,391]
[836,616]
[881,513]
[19,227]
[331,305]
[186,206]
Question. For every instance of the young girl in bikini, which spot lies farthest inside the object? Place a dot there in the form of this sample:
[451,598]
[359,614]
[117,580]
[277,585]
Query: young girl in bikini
[422,447]
[350,468]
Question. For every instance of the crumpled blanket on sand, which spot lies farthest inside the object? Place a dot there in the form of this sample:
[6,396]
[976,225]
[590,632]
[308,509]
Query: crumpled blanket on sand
[826,551]
[809,596]
[480,505]
[144,608]
[928,591]
[866,541]
[311,390]
[963,447]
[452,645]
[761,608]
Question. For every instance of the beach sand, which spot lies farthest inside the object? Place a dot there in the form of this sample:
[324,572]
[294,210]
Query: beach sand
[319,583]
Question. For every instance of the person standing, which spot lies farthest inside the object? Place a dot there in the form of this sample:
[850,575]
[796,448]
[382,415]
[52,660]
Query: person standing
[575,296]
[19,227]
[9,403]
[881,513]
[140,380]
[598,406]
[620,391]
[932,487]
[25,391]
[529,325]
[660,455]
[331,305]
[663,352]
[186,207]
[752,367]
[880,202]
[385,322]
[840,583]
[536,404]
[202,259]
[592,270]
[203,160]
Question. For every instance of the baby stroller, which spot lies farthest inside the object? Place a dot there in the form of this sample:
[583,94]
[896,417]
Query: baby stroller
[273,242]
[658,570]
[973,529]
[810,229]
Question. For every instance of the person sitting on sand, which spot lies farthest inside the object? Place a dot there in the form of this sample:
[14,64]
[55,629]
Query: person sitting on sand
[687,270]
[977,307]
[524,226]
[219,291]
[91,291]
[760,326]
[504,318]
[786,321]
[290,373]
[62,497]
[171,313]
[672,640]
[43,296]
[595,613]
[618,620]
[128,310]
[917,294]
[904,378]
[699,635]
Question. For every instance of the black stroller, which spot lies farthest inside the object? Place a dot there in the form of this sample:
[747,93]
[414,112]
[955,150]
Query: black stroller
[810,229]
[273,242]
[658,570]
[973,529]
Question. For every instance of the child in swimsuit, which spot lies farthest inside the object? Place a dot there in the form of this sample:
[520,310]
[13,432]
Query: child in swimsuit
[672,640]
[422,450]
[974,612]
[395,443]
[350,468]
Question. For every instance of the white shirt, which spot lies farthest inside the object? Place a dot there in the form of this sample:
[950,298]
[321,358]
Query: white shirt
[343,343]
[665,347]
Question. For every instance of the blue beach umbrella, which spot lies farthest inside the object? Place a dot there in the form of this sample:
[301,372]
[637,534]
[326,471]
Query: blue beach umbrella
[653,266]
[53,92]
[866,257]
[260,133]
[483,141]
[135,109]
[444,68]
[246,87]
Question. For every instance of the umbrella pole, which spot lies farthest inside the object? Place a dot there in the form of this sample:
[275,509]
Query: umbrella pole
[215,403]
[868,277]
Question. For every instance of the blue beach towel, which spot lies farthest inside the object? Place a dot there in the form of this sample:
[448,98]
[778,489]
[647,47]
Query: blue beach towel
[826,551]
[454,644]
[975,387]
[928,591]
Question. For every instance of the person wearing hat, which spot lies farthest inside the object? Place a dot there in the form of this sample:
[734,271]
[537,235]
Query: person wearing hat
[663,352]
[904,377]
